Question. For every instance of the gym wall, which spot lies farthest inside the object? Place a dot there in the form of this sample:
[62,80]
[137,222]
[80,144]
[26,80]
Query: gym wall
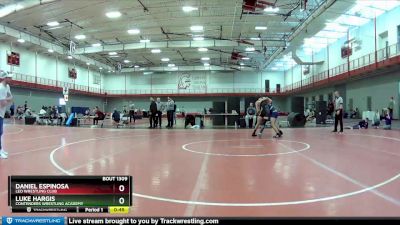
[37,98]
[380,88]
[190,104]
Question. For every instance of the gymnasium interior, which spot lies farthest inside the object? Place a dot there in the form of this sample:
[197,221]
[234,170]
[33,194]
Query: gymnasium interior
[169,92]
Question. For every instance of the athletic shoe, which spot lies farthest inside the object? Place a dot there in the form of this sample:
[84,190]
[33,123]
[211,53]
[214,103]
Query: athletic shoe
[334,131]
[280,132]
[259,135]
[254,135]
[4,152]
[3,156]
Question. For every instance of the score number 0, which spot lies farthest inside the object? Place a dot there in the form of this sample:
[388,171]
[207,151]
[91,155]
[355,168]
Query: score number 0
[121,200]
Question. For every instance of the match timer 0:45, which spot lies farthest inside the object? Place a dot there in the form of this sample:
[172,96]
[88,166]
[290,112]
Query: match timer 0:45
[88,194]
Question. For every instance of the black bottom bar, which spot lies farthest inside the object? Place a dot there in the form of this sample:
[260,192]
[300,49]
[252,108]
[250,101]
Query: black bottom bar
[224,221]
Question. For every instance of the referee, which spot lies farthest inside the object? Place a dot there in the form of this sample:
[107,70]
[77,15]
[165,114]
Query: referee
[338,112]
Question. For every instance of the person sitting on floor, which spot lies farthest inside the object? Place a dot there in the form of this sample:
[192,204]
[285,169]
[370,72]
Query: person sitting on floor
[354,114]
[54,114]
[42,111]
[43,118]
[388,121]
[116,118]
[190,119]
[20,112]
[250,114]
[99,115]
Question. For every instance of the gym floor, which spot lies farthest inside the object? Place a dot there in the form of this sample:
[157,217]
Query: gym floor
[221,172]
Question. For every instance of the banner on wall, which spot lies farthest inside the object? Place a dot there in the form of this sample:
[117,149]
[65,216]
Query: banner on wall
[72,73]
[13,59]
[188,81]
[306,69]
[65,90]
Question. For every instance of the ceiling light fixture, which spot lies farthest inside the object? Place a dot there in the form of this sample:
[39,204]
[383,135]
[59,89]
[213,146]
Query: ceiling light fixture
[134,31]
[144,41]
[246,58]
[189,8]
[96,45]
[260,28]
[198,39]
[155,51]
[53,23]
[113,14]
[20,40]
[80,37]
[171,65]
[165,59]
[69,57]
[205,58]
[271,9]
[112,53]
[250,49]
[206,64]
[88,63]
[126,61]
[196,28]
[203,49]
[50,50]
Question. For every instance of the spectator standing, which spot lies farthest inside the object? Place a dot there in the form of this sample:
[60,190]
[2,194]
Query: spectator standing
[5,99]
[12,109]
[153,112]
[331,108]
[25,106]
[159,111]
[391,106]
[170,112]
[132,113]
[338,112]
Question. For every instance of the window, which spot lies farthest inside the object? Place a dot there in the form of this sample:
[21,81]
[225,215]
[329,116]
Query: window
[96,79]
[369,103]
[351,107]
[398,38]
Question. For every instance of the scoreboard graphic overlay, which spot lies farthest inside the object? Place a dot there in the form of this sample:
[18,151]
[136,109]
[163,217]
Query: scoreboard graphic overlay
[75,194]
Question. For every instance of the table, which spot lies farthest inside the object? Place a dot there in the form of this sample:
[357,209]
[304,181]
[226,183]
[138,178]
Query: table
[225,115]
[370,115]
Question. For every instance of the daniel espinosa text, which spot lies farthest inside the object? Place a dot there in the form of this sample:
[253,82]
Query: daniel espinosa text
[39,188]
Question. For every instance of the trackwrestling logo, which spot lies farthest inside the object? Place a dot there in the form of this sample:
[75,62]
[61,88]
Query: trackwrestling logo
[33,220]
